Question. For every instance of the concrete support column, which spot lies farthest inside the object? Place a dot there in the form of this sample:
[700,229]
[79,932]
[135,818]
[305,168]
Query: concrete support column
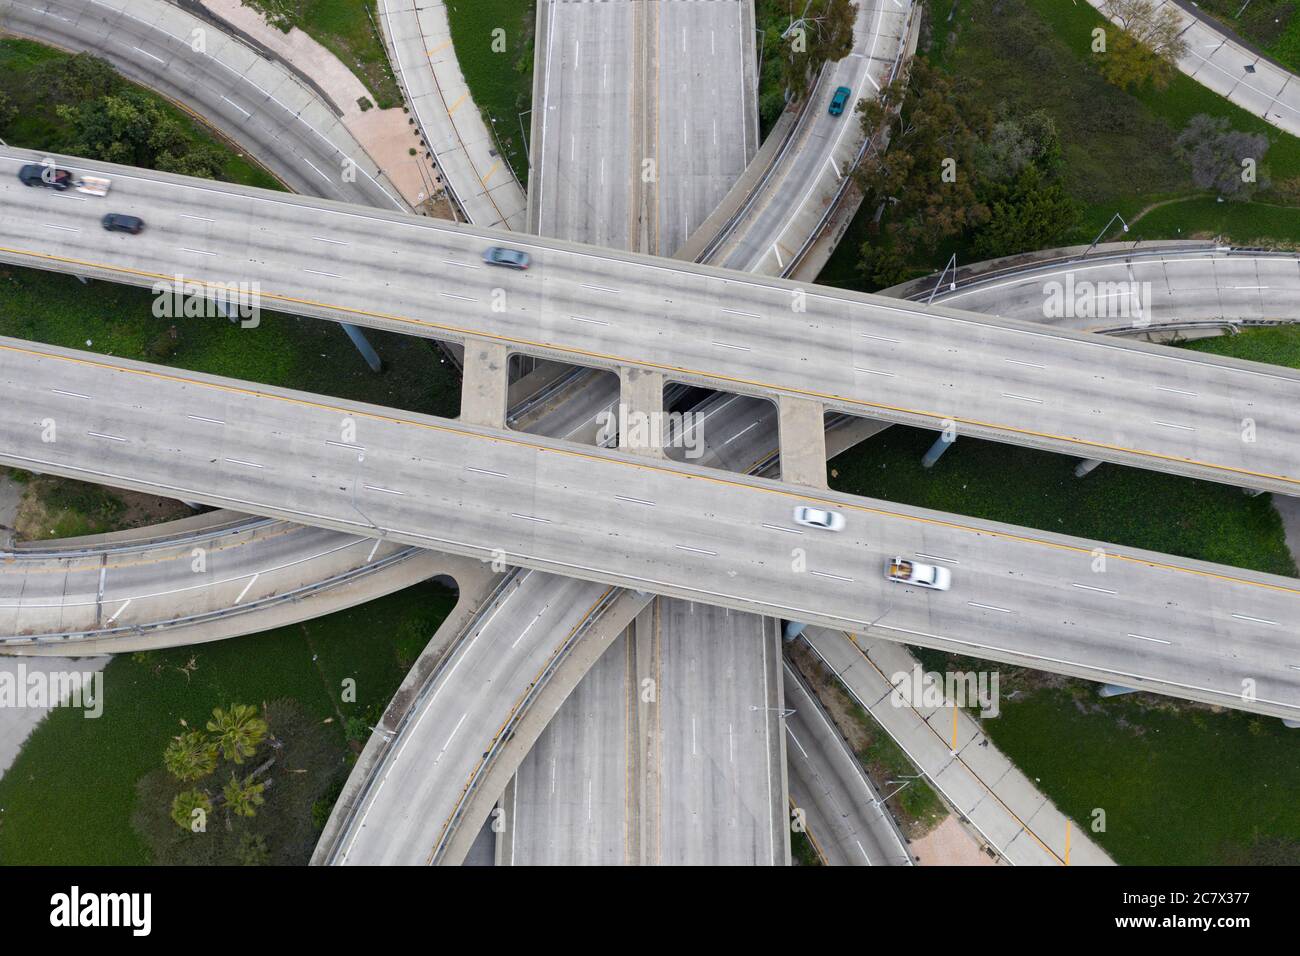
[641,417]
[485,384]
[941,445]
[802,432]
[1252,492]
[1116,690]
[1087,466]
[792,630]
[363,346]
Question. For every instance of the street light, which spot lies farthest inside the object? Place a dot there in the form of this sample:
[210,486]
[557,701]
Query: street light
[952,286]
[1105,229]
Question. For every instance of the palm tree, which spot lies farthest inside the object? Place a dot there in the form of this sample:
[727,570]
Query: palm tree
[243,797]
[184,805]
[239,730]
[190,756]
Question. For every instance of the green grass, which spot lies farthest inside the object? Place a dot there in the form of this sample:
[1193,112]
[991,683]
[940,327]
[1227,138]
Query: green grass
[501,83]
[36,126]
[1116,146]
[70,796]
[1273,346]
[1178,787]
[307,354]
[347,28]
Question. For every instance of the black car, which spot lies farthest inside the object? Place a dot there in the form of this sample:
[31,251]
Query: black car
[37,174]
[120,222]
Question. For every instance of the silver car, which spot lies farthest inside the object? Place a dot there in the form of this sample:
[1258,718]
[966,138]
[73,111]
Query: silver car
[509,258]
[818,518]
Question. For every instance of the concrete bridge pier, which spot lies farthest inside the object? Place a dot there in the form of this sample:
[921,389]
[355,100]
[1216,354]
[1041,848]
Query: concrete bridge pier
[363,346]
[640,413]
[1116,690]
[941,445]
[1086,467]
[485,385]
[801,430]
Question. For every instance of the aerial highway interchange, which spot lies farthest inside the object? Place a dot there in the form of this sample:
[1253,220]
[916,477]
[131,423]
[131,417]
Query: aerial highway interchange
[361,499]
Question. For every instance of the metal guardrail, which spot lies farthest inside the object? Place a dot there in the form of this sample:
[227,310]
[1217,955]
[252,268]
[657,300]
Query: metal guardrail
[286,597]
[727,228]
[413,707]
[33,551]
[867,142]
[507,730]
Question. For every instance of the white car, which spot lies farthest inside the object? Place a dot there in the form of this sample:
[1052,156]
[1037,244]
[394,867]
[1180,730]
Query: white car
[818,518]
[906,571]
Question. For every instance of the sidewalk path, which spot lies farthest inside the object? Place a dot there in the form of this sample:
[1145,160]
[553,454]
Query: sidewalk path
[972,775]
[419,41]
[386,135]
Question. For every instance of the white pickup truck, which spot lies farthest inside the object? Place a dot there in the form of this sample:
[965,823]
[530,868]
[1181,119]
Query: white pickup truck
[94,185]
[906,571]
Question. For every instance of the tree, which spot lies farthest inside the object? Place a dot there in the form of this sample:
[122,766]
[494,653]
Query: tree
[253,850]
[1148,47]
[239,731]
[824,33]
[1221,158]
[1030,213]
[190,756]
[1016,142]
[76,78]
[184,805]
[925,180]
[243,797]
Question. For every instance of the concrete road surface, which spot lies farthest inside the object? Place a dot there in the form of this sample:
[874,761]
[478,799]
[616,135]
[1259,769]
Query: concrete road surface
[1171,625]
[1072,392]
[845,816]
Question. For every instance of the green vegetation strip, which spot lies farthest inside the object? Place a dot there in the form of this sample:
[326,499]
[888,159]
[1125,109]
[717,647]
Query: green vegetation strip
[494,47]
[70,796]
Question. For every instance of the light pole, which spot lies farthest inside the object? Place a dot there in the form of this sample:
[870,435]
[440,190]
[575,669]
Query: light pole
[1105,229]
[952,286]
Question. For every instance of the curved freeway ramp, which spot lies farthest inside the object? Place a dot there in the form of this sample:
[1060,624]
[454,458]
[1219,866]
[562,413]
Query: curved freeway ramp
[780,206]
[254,101]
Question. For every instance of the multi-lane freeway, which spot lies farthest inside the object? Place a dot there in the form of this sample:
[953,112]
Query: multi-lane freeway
[1193,414]
[1079,607]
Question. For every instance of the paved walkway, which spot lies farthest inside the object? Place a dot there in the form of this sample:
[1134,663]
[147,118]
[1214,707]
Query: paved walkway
[386,135]
[419,42]
[948,746]
[1231,69]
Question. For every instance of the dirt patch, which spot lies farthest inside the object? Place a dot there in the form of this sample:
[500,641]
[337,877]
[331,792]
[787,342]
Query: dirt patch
[950,844]
[54,507]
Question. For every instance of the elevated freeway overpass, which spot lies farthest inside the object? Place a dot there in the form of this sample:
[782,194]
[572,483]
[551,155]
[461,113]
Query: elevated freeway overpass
[1174,626]
[1127,402]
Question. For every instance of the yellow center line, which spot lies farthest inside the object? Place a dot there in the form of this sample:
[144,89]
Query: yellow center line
[719,480]
[455,106]
[682,370]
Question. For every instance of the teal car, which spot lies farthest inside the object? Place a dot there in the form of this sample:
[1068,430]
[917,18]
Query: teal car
[840,98]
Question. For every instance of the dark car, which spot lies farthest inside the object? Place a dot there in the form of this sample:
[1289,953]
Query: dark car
[120,222]
[839,100]
[510,258]
[37,174]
